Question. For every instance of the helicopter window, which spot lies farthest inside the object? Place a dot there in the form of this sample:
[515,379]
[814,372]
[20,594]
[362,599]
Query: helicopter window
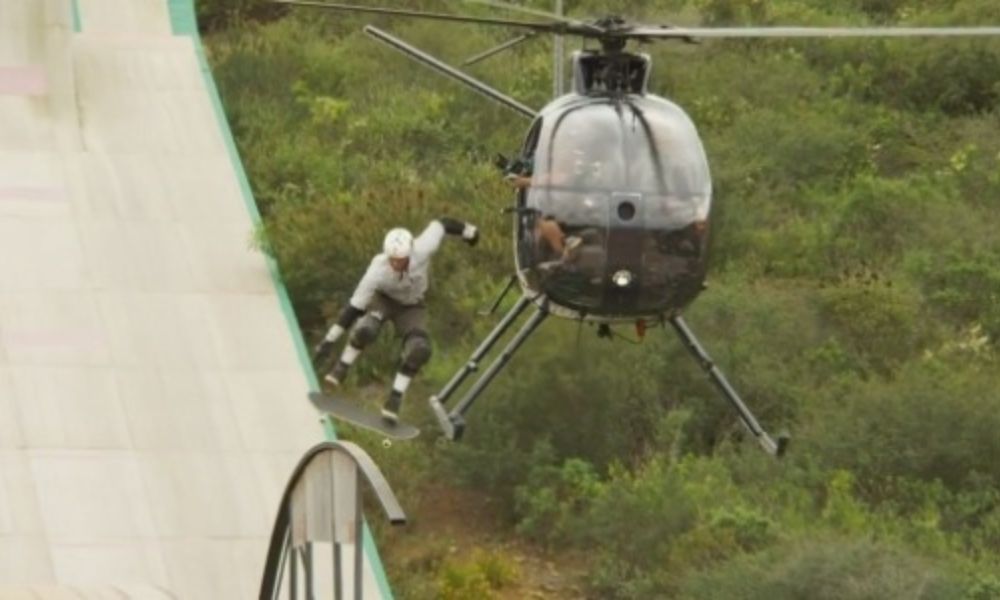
[566,238]
[669,212]
[665,155]
[578,210]
[604,73]
[581,149]
[620,191]
[531,141]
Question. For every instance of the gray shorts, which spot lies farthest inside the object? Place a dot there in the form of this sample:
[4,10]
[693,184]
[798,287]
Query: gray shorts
[406,318]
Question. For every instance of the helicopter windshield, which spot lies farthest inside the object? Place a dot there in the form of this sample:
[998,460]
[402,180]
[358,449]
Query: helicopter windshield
[642,146]
[614,185]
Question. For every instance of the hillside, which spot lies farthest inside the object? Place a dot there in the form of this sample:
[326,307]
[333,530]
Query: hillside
[854,300]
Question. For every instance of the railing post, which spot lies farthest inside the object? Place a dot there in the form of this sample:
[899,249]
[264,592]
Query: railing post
[359,543]
[307,570]
[293,583]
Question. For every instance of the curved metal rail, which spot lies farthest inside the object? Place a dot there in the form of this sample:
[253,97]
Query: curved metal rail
[322,503]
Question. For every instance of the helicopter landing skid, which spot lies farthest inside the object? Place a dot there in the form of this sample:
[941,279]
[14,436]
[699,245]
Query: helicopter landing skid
[453,422]
[453,426]
[772,447]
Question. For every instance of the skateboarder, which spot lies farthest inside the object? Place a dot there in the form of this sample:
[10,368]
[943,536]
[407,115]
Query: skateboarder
[392,289]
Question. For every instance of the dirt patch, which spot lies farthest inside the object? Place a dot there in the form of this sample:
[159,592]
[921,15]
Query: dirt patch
[457,539]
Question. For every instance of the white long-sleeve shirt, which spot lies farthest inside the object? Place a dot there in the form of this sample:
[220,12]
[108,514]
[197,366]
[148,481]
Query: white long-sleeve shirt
[407,287]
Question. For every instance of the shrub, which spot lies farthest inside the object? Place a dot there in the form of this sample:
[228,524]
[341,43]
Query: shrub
[827,569]
[551,503]
[937,420]
[479,577]
[218,14]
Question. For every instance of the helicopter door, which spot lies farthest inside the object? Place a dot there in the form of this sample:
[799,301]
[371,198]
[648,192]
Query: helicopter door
[525,220]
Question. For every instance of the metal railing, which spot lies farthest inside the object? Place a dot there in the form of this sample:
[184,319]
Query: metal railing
[322,503]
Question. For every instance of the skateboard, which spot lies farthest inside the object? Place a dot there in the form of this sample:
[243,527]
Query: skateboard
[355,414]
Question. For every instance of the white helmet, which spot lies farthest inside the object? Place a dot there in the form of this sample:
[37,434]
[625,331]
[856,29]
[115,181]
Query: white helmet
[398,243]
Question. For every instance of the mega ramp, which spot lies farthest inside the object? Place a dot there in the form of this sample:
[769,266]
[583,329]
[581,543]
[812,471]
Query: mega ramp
[152,381]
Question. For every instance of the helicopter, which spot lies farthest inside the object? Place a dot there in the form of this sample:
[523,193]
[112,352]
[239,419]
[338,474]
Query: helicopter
[613,190]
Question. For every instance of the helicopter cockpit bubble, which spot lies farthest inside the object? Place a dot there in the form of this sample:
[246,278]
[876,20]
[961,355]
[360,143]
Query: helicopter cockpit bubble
[627,182]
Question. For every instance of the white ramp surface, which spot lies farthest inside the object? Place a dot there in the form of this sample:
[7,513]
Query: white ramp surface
[152,403]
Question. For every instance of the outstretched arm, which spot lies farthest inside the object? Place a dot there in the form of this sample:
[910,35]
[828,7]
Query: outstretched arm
[349,314]
[517,172]
[430,239]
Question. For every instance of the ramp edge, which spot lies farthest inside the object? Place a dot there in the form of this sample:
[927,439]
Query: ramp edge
[183,22]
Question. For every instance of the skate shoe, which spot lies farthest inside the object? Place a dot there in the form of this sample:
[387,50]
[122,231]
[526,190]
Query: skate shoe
[390,410]
[337,374]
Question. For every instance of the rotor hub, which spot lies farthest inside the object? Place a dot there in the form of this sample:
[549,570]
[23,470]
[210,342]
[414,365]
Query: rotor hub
[614,28]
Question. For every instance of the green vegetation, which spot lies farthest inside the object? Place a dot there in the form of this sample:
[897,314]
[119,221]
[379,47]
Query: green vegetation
[854,299]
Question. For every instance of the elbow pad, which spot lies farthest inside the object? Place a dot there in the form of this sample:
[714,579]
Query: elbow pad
[348,316]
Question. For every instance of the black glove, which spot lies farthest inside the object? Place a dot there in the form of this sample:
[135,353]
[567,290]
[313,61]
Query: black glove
[501,162]
[520,166]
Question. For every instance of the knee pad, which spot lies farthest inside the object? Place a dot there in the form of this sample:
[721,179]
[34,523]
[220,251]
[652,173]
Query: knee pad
[416,352]
[365,331]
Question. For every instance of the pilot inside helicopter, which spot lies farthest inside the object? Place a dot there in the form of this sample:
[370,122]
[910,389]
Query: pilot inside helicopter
[603,193]
[563,222]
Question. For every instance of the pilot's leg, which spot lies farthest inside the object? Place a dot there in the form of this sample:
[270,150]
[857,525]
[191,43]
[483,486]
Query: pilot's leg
[363,333]
[552,235]
[411,324]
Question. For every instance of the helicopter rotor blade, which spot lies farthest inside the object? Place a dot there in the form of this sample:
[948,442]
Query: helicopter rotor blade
[537,26]
[448,70]
[668,32]
[498,49]
[539,13]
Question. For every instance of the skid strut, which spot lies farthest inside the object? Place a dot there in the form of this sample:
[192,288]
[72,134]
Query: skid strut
[496,303]
[453,422]
[719,379]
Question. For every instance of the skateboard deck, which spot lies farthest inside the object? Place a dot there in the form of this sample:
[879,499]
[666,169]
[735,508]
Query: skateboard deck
[353,413]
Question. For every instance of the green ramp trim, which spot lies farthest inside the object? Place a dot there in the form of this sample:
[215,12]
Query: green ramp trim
[77,25]
[184,22]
